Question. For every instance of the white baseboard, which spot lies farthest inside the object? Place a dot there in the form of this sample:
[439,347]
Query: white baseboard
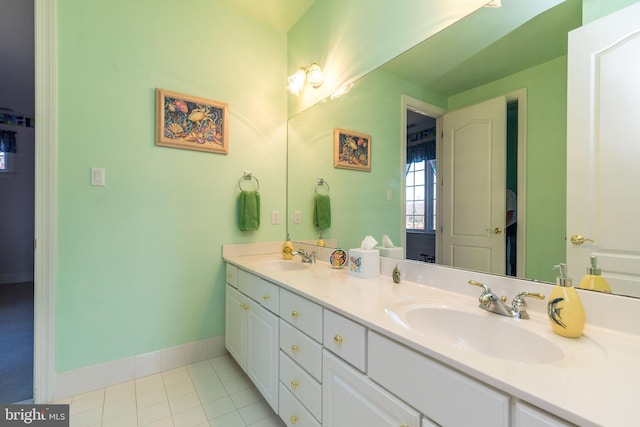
[16,277]
[95,377]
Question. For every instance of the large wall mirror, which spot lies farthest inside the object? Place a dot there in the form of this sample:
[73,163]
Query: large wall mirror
[506,53]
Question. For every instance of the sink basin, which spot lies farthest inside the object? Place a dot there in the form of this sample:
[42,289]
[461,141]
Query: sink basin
[472,329]
[285,265]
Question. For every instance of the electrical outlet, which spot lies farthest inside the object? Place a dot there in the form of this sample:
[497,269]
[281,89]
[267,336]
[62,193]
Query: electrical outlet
[297,217]
[275,217]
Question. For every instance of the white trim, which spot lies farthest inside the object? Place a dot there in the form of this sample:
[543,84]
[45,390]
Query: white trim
[89,378]
[45,200]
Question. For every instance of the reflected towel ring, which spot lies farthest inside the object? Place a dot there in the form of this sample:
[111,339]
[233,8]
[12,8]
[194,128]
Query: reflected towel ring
[322,183]
[248,177]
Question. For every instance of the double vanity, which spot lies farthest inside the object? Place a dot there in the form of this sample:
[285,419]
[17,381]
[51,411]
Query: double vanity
[326,348]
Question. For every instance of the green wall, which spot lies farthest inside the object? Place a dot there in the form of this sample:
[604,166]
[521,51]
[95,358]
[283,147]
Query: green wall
[139,263]
[594,9]
[546,87]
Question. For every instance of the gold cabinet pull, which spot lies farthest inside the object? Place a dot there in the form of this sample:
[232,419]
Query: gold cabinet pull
[578,239]
[294,384]
[295,314]
[244,306]
[266,297]
[294,419]
[295,348]
[337,339]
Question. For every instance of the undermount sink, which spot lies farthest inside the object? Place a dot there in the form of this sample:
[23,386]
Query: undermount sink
[472,329]
[285,265]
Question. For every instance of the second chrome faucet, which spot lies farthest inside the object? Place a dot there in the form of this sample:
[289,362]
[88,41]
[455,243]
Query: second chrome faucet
[491,302]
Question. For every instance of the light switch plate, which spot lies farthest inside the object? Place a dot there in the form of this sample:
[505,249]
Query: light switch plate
[98,177]
[297,217]
[275,217]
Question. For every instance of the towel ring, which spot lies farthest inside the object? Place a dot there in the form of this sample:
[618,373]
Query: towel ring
[248,177]
[322,183]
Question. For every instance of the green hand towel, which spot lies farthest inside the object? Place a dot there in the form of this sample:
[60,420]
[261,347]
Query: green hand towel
[322,211]
[249,210]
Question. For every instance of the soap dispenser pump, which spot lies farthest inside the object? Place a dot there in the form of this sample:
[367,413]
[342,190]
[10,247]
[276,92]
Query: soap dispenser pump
[593,279]
[565,310]
[287,248]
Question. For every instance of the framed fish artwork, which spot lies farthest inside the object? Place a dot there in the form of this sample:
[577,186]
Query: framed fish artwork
[351,150]
[190,122]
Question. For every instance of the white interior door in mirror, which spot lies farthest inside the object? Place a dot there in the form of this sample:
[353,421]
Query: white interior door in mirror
[474,185]
[603,148]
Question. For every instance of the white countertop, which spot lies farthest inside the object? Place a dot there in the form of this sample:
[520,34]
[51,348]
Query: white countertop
[599,388]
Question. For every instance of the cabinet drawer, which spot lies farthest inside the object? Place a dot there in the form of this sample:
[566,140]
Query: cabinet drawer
[301,313]
[302,349]
[258,289]
[345,338]
[292,412]
[447,397]
[301,385]
[232,275]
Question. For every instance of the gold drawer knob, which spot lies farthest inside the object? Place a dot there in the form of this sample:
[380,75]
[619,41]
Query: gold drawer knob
[294,384]
[294,419]
[244,306]
[337,339]
[266,297]
[295,348]
[295,314]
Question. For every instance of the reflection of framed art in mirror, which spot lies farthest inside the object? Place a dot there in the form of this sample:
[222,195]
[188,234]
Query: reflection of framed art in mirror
[351,150]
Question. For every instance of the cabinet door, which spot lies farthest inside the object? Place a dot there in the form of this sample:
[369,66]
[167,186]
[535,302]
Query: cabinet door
[263,351]
[235,318]
[527,416]
[351,399]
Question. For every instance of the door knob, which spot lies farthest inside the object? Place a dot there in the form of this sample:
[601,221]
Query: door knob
[578,239]
[496,230]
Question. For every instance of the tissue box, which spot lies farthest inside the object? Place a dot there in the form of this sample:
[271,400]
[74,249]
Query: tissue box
[395,252]
[364,264]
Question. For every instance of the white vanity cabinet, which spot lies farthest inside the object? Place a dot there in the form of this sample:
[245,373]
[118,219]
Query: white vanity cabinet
[316,367]
[252,332]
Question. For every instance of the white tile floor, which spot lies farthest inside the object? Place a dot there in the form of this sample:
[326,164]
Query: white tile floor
[215,392]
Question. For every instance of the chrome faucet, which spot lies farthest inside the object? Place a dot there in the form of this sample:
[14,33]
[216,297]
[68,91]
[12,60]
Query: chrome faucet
[309,258]
[490,302]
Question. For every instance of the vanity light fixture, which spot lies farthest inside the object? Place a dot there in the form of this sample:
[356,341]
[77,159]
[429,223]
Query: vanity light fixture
[312,73]
[494,3]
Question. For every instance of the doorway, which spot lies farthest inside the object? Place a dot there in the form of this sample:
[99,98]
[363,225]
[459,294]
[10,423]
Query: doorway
[505,228]
[17,209]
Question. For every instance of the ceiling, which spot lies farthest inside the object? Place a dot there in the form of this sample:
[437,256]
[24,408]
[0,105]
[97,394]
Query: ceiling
[482,47]
[281,14]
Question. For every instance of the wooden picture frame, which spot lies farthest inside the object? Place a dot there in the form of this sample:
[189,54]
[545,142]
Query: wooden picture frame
[351,150]
[190,122]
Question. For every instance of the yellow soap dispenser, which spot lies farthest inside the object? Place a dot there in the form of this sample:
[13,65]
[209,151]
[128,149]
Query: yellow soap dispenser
[287,248]
[565,310]
[320,241]
[593,279]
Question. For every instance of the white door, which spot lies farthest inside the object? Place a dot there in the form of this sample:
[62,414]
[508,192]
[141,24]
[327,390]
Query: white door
[235,324]
[603,149]
[263,339]
[474,187]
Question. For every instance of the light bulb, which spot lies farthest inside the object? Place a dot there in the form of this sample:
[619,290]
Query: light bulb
[315,76]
